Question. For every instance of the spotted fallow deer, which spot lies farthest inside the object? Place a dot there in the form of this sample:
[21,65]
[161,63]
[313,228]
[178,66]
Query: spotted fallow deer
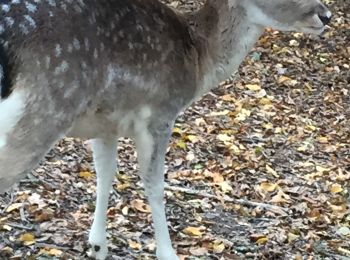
[101,69]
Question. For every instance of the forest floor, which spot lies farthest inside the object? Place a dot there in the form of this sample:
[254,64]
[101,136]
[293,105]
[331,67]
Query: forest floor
[258,169]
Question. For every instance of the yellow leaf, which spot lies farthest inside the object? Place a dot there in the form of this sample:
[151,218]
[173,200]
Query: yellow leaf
[6,227]
[265,101]
[193,231]
[134,245]
[336,188]
[268,126]
[283,79]
[303,148]
[225,187]
[7,250]
[218,247]
[13,207]
[278,130]
[322,139]
[27,239]
[292,237]
[311,128]
[220,113]
[123,186]
[298,257]
[224,137]
[217,177]
[51,251]
[228,97]
[280,197]
[177,130]
[125,210]
[243,115]
[140,206]
[85,175]
[181,144]
[269,187]
[271,171]
[192,138]
[235,149]
[344,251]
[253,87]
[339,208]
[321,169]
[294,43]
[262,240]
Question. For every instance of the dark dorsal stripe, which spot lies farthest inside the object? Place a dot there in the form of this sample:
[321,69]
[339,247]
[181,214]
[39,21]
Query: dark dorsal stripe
[5,68]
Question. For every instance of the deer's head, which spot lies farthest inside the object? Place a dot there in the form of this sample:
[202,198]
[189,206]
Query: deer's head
[310,16]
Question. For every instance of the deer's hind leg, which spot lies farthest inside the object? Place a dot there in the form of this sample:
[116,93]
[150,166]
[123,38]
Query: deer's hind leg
[27,131]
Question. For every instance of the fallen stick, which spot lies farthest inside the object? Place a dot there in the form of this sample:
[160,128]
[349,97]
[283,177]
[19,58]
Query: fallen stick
[19,226]
[276,209]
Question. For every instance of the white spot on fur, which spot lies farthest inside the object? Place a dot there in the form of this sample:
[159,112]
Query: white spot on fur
[64,7]
[64,66]
[30,7]
[95,53]
[6,8]
[76,44]
[111,74]
[58,50]
[15,2]
[30,20]
[52,2]
[70,91]
[145,112]
[47,61]
[23,28]
[87,44]
[1,74]
[9,21]
[12,110]
[70,48]
[329,14]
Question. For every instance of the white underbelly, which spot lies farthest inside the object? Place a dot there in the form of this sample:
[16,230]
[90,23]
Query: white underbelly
[116,124]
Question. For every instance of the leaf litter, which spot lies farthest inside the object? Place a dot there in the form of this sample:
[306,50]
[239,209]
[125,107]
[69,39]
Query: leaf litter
[258,169]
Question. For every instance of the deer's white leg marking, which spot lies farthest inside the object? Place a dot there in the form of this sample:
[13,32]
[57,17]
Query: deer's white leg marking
[104,153]
[151,155]
[11,111]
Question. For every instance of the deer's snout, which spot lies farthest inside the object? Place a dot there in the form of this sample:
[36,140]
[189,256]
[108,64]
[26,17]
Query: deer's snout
[325,18]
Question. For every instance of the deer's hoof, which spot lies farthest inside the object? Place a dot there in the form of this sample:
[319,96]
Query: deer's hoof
[98,243]
[167,255]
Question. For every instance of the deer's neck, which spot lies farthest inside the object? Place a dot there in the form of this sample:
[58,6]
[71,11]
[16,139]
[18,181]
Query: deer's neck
[226,36]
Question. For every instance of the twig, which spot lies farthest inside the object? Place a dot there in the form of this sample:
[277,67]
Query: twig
[276,209]
[51,246]
[12,197]
[14,225]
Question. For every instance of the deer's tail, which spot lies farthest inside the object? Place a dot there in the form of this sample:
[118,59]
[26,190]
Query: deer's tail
[5,73]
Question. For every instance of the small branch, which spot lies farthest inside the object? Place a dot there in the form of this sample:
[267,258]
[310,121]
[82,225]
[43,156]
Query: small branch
[63,248]
[276,209]
[15,225]
[12,198]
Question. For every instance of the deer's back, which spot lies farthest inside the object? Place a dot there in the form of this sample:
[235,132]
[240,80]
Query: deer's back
[99,55]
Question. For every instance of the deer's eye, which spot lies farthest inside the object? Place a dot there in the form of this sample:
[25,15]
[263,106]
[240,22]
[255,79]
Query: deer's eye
[309,13]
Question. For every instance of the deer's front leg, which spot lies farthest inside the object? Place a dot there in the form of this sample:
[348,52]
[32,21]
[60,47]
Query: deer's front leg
[104,154]
[151,147]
